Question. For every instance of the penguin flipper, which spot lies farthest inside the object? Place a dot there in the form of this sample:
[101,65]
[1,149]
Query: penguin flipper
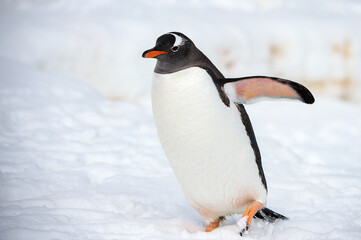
[250,89]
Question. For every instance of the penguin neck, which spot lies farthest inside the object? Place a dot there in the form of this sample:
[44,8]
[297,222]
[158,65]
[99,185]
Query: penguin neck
[198,59]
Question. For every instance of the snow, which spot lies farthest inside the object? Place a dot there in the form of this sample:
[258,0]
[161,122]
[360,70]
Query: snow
[75,165]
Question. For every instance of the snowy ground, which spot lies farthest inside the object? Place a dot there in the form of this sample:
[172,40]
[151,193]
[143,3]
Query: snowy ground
[74,165]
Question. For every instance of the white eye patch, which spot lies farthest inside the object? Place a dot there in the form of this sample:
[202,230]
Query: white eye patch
[178,40]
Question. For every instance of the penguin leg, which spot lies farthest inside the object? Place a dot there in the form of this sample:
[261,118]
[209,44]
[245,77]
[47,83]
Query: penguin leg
[247,217]
[212,225]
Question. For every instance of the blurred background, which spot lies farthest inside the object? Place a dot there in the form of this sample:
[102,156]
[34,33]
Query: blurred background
[75,165]
[100,42]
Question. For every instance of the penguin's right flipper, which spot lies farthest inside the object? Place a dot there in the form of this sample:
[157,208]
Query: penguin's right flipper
[268,215]
[250,89]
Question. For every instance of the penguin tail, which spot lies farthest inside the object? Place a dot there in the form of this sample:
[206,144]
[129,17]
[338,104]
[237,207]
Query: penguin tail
[268,215]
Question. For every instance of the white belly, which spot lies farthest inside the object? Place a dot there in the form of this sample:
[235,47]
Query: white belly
[206,143]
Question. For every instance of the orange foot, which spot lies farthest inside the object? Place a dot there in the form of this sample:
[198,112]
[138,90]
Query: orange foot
[212,225]
[247,217]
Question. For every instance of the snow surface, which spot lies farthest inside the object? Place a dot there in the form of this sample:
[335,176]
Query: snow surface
[74,165]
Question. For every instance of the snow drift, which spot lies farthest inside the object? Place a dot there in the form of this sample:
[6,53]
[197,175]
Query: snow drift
[74,165]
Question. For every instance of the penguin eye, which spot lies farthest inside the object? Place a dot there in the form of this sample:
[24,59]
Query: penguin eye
[175,48]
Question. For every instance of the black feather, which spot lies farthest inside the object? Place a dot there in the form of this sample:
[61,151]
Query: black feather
[268,215]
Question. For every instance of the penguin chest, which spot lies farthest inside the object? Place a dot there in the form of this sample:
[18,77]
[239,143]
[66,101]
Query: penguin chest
[205,142]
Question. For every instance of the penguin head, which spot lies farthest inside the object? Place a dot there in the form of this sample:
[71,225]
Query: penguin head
[174,51]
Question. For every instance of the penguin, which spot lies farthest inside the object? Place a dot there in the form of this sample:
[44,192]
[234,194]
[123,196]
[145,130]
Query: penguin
[206,133]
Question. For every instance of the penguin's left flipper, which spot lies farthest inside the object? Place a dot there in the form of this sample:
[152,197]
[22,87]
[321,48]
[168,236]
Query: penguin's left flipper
[250,89]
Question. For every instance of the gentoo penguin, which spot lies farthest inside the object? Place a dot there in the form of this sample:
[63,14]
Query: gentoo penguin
[206,133]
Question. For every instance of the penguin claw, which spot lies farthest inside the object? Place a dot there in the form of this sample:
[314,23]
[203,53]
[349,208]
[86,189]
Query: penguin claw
[243,230]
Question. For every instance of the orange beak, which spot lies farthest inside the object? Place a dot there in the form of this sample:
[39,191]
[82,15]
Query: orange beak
[152,53]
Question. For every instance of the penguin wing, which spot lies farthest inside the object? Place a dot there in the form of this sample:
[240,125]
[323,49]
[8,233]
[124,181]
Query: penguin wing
[251,89]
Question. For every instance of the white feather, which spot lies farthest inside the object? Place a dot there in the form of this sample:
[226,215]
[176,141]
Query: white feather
[230,90]
[206,143]
[178,40]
